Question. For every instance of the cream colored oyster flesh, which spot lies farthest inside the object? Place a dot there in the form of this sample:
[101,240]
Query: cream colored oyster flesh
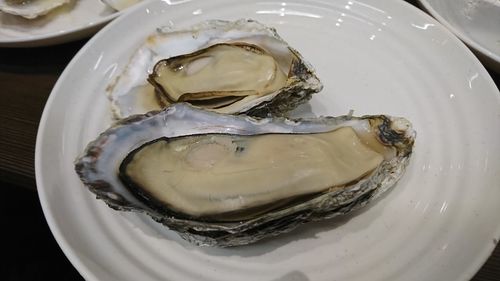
[223,75]
[207,175]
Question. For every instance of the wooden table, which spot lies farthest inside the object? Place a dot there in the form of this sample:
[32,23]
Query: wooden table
[26,79]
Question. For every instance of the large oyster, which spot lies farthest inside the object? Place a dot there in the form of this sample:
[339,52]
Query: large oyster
[225,66]
[230,180]
[30,9]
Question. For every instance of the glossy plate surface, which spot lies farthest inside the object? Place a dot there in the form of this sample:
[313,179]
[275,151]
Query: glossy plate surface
[439,223]
[476,22]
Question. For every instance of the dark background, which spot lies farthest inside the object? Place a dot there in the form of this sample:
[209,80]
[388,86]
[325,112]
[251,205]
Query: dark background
[30,251]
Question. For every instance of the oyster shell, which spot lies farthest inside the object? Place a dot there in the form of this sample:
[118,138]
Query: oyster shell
[30,9]
[230,180]
[199,48]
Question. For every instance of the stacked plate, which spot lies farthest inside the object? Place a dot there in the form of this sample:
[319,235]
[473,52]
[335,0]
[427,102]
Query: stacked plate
[475,22]
[49,22]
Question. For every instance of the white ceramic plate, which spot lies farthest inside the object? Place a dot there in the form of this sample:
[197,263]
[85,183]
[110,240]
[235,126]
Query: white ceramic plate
[439,223]
[476,22]
[74,21]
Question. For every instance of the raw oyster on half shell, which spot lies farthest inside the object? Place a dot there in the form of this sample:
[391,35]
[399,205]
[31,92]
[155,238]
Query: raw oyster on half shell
[230,180]
[30,9]
[234,67]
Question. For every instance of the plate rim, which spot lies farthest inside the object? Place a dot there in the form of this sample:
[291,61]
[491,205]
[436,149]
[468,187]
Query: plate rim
[71,254]
[68,251]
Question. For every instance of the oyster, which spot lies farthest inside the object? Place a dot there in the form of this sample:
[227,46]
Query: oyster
[120,4]
[225,66]
[30,9]
[230,180]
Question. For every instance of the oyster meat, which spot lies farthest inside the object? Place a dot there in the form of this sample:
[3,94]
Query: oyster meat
[230,180]
[229,67]
[30,9]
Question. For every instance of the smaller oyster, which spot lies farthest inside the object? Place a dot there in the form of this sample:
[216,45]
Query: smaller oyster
[229,77]
[234,67]
[30,9]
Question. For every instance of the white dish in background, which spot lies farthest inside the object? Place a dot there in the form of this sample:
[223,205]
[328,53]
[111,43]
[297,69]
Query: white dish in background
[476,22]
[439,223]
[76,20]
